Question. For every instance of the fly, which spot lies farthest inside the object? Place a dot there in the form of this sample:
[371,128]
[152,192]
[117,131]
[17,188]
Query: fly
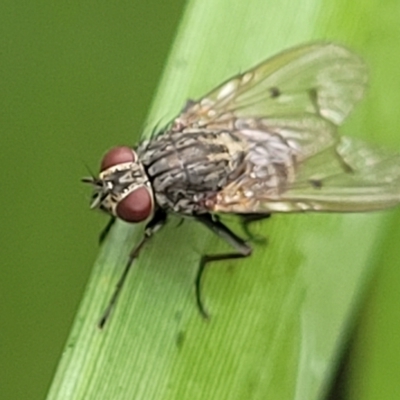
[263,142]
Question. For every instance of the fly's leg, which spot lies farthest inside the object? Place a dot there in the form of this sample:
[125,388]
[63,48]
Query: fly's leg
[152,227]
[247,220]
[203,263]
[241,247]
[106,230]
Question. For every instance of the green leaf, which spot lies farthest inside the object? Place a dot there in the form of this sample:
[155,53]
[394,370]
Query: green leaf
[277,318]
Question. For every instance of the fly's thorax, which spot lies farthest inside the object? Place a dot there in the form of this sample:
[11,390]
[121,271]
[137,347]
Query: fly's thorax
[187,168]
[123,188]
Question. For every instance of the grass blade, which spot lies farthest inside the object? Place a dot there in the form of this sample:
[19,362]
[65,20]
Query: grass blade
[277,318]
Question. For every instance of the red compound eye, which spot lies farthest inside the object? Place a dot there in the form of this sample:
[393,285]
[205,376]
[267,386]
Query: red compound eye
[135,207]
[117,155]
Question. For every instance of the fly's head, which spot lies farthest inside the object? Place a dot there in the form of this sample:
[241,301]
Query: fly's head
[122,188]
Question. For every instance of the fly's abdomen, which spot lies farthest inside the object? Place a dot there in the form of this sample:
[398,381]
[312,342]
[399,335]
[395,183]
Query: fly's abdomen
[188,168]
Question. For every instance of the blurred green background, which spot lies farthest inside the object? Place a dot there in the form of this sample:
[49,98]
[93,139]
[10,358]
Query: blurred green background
[77,78]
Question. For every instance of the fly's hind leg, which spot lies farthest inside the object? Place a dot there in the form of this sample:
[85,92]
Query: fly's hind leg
[241,247]
[247,220]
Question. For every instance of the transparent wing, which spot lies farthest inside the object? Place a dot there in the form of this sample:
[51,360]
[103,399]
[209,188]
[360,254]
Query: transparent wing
[350,177]
[286,112]
[321,79]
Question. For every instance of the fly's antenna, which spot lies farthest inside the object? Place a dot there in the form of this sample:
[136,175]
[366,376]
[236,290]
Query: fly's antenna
[92,178]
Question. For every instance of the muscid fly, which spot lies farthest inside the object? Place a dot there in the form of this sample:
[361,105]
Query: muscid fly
[264,141]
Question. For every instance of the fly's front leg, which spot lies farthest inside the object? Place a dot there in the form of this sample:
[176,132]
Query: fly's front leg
[152,227]
[104,233]
[241,247]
